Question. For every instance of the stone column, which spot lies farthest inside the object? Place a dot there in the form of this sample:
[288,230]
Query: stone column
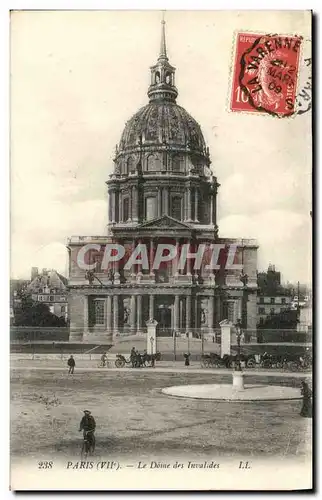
[115,314]
[151,257]
[135,208]
[151,307]
[185,206]
[132,314]
[139,267]
[211,221]
[251,315]
[188,313]
[86,299]
[131,203]
[196,204]
[211,305]
[189,205]
[109,313]
[166,201]
[113,206]
[175,271]
[133,270]
[139,313]
[116,270]
[120,208]
[181,325]
[159,202]
[218,318]
[188,261]
[176,313]
[214,207]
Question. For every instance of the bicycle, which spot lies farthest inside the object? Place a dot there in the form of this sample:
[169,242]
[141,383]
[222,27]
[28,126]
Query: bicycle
[103,364]
[88,446]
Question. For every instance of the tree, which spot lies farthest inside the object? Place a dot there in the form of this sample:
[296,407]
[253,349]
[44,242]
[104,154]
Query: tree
[32,313]
[286,319]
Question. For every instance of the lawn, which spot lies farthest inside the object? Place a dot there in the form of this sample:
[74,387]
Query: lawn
[135,419]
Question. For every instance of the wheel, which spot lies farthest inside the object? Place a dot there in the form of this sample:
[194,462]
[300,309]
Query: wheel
[119,363]
[279,365]
[293,366]
[251,363]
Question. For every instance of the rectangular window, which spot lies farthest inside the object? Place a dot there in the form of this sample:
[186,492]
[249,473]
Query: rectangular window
[272,310]
[99,310]
[272,300]
[283,301]
[176,204]
[261,300]
[261,310]
[51,298]
[150,208]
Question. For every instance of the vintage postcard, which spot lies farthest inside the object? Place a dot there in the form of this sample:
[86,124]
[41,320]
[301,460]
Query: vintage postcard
[161,216]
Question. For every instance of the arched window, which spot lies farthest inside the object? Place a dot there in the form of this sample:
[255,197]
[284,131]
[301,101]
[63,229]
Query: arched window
[176,207]
[168,78]
[157,77]
[150,208]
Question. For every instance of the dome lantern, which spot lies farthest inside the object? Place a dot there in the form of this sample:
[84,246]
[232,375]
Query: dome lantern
[162,75]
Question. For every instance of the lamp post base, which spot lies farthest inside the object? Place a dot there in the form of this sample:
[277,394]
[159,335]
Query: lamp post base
[238,380]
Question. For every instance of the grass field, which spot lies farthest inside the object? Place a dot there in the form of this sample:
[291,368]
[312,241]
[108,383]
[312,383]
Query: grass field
[134,418]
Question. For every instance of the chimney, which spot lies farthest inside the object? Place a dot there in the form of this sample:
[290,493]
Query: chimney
[34,273]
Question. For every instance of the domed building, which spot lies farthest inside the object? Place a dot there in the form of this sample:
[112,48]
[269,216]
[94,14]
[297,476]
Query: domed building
[162,191]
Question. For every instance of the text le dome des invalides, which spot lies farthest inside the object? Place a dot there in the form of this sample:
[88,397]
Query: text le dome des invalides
[162,190]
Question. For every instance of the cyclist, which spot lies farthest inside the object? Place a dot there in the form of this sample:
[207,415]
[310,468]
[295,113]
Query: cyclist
[104,359]
[88,426]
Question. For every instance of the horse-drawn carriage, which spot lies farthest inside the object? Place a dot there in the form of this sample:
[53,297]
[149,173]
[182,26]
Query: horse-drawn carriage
[213,360]
[293,362]
[140,360]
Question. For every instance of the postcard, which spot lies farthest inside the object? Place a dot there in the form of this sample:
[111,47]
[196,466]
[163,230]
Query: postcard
[161,220]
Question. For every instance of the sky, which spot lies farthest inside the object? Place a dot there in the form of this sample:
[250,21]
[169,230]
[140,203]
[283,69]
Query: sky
[78,76]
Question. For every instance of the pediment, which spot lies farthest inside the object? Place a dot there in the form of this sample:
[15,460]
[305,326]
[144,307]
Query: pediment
[165,222]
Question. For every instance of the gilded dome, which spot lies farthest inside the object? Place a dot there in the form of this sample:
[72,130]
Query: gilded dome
[163,122]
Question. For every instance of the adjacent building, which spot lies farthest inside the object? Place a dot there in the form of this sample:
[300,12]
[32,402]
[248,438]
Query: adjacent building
[49,287]
[272,297]
[162,189]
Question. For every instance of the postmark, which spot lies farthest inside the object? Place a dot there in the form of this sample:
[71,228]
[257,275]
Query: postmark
[266,74]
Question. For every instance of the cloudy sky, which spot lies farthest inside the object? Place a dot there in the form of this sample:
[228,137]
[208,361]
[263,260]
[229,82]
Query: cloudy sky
[77,77]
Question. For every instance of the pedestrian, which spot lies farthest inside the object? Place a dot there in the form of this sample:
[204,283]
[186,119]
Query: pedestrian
[133,357]
[306,392]
[187,359]
[71,363]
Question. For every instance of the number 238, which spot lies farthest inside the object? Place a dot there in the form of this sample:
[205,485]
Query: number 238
[45,465]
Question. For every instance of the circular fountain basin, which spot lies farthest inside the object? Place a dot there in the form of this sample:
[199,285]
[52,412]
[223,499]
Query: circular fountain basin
[228,392]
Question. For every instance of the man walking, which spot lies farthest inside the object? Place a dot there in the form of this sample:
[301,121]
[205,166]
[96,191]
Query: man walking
[71,364]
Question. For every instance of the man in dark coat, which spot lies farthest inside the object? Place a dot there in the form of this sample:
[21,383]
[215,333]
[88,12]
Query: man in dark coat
[133,357]
[187,359]
[306,392]
[88,426]
[71,363]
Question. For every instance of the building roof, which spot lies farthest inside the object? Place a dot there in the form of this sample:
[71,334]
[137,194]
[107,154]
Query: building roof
[162,121]
[51,279]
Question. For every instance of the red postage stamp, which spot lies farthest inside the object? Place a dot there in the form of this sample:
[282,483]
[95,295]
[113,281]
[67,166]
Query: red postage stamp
[265,74]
